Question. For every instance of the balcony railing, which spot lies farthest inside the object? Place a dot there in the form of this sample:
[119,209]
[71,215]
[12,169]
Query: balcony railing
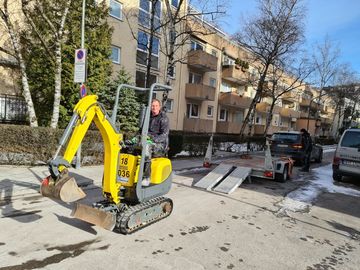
[290,113]
[228,127]
[259,129]
[202,60]
[234,74]
[200,91]
[234,100]
[198,125]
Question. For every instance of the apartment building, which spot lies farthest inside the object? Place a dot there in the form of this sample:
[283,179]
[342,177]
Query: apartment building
[211,90]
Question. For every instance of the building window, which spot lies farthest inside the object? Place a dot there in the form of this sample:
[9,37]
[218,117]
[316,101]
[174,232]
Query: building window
[115,54]
[145,9]
[212,82]
[142,50]
[195,46]
[210,111]
[141,79]
[192,110]
[239,117]
[225,87]
[116,9]
[223,115]
[213,52]
[258,120]
[175,3]
[172,72]
[169,105]
[228,61]
[195,78]
[276,120]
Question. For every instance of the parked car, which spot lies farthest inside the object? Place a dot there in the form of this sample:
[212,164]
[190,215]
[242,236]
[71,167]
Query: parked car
[347,155]
[288,143]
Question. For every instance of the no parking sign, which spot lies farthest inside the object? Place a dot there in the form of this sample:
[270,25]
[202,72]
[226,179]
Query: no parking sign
[83,91]
[80,66]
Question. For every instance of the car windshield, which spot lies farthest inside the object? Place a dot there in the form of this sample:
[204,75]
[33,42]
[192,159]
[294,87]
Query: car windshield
[286,137]
[351,139]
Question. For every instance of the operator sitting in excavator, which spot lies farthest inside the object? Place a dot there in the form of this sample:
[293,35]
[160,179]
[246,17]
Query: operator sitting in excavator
[158,137]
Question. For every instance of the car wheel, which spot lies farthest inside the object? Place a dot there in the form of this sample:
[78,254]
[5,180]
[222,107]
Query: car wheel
[320,157]
[284,176]
[337,177]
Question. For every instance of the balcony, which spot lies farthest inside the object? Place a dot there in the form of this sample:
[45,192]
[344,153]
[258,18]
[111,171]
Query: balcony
[199,92]
[234,100]
[288,97]
[202,61]
[290,113]
[234,74]
[259,129]
[198,125]
[262,107]
[306,103]
[228,127]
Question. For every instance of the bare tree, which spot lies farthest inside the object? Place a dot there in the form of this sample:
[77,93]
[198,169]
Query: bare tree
[325,62]
[15,51]
[282,82]
[175,26]
[52,42]
[271,37]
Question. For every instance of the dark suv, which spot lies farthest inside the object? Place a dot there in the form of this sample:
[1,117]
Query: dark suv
[288,143]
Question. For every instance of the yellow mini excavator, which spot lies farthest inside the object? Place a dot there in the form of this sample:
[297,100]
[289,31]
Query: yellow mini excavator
[128,205]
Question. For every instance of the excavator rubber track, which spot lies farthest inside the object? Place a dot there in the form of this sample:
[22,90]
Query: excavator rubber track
[139,216]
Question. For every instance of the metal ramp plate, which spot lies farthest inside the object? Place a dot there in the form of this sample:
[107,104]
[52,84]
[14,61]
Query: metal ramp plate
[234,179]
[213,177]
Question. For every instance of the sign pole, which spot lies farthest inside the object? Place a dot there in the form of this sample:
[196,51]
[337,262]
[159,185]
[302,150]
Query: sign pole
[78,153]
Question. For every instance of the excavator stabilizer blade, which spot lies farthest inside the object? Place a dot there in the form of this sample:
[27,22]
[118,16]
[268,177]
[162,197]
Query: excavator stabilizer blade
[64,189]
[94,216]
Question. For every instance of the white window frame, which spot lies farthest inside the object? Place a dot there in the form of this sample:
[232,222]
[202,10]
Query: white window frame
[226,115]
[149,13]
[276,120]
[212,111]
[191,110]
[196,43]
[214,80]
[118,61]
[258,116]
[121,8]
[147,46]
[192,75]
[171,102]
[225,87]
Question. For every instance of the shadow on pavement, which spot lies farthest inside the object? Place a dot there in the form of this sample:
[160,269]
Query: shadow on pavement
[82,225]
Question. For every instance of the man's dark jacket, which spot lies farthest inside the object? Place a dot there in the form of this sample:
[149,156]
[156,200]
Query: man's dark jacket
[307,142]
[159,129]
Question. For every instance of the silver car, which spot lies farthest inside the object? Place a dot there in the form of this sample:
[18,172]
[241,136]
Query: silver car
[347,156]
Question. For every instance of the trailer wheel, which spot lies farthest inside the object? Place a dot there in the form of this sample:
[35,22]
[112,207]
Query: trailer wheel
[284,176]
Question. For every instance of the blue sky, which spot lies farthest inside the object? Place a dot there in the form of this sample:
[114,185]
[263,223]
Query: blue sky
[340,20]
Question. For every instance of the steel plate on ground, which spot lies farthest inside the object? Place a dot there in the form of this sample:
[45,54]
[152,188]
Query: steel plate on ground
[233,180]
[213,177]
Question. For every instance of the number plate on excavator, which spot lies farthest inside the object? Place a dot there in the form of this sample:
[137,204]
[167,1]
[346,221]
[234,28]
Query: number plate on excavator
[126,168]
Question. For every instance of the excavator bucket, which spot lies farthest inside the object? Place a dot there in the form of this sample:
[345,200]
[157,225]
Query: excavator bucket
[94,216]
[65,189]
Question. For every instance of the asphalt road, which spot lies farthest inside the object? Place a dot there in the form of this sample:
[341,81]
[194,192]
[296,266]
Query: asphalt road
[207,230]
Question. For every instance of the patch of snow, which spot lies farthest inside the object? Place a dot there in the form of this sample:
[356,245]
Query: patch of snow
[302,198]
[192,170]
[183,154]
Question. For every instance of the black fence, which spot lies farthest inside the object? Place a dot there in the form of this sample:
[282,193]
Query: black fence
[12,109]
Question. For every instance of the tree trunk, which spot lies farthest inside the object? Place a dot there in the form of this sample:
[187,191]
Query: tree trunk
[57,91]
[269,118]
[250,114]
[58,69]
[24,80]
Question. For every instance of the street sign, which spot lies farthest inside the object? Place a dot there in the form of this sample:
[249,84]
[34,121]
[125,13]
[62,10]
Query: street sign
[83,91]
[80,66]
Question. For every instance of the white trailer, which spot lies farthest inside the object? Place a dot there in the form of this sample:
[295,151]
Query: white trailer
[229,174]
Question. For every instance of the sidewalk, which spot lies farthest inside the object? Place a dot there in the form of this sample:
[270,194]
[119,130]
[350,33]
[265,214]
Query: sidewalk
[23,180]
